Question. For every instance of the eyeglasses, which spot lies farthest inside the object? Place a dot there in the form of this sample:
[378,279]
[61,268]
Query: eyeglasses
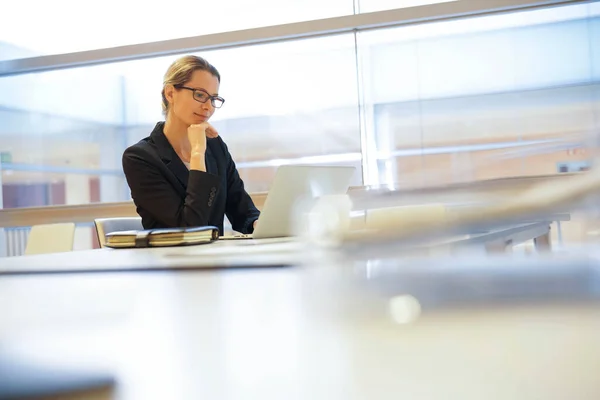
[203,96]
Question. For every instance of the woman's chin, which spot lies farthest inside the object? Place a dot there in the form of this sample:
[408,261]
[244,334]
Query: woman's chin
[198,119]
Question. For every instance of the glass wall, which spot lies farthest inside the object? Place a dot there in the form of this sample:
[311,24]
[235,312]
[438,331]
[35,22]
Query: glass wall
[297,104]
[474,98]
[488,97]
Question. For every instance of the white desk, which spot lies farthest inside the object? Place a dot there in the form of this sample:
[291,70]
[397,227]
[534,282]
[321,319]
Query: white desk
[222,253]
[501,238]
[318,331]
[248,253]
[490,241]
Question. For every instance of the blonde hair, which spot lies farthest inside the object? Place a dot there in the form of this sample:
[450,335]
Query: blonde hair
[181,71]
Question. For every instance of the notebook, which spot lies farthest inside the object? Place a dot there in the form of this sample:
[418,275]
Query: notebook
[162,237]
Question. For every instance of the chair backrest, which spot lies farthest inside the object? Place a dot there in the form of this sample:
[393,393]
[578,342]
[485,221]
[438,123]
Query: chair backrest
[50,238]
[109,225]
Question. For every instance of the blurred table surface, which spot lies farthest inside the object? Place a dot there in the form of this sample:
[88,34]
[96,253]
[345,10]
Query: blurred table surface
[241,253]
[297,322]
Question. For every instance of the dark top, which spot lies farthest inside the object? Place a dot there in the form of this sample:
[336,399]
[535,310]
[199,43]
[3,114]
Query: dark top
[168,195]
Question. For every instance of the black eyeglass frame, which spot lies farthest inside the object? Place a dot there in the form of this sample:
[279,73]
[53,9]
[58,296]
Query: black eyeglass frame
[210,96]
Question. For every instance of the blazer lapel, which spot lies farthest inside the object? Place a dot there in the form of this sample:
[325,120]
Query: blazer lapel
[168,155]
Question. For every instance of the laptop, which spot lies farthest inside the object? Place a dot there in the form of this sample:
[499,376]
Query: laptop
[293,187]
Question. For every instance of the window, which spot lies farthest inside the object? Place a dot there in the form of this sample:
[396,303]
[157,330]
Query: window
[484,97]
[70,127]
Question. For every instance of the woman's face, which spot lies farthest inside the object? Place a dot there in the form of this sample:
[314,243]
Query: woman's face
[183,103]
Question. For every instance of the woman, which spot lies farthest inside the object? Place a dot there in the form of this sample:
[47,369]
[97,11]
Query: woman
[182,174]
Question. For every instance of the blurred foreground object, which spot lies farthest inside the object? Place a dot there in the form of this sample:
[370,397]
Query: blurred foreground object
[403,219]
[20,380]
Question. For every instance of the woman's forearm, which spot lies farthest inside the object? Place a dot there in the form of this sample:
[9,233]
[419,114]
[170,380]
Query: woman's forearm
[197,161]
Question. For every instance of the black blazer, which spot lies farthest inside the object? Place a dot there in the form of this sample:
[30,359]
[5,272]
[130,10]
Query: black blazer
[168,195]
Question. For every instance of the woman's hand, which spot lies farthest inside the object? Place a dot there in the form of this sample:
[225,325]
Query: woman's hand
[198,133]
[211,132]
